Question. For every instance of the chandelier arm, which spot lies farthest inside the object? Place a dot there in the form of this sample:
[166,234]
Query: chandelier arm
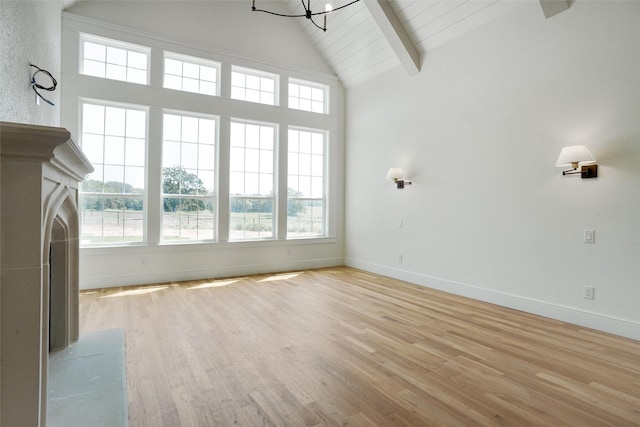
[308,14]
[317,26]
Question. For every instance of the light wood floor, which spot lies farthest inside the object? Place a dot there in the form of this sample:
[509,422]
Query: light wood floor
[338,347]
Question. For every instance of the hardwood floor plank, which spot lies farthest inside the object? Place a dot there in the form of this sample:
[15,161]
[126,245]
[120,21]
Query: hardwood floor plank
[344,347]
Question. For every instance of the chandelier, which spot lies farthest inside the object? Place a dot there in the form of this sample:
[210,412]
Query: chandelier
[307,12]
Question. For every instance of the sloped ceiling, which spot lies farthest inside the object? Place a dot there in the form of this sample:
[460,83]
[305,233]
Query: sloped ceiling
[361,41]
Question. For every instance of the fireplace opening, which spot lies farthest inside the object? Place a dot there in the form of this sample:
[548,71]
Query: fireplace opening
[58,285]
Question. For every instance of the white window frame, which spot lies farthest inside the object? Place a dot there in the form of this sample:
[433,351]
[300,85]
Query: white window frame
[273,198]
[213,199]
[107,42]
[325,182]
[312,85]
[259,74]
[194,61]
[144,195]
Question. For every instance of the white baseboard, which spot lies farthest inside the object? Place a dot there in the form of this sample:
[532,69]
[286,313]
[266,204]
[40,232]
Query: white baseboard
[613,325]
[114,280]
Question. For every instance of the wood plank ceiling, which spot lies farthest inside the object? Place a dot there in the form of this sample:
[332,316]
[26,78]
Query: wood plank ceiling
[358,45]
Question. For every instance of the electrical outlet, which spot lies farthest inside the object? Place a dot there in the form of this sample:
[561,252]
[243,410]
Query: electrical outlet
[589,292]
[400,259]
[143,260]
[589,236]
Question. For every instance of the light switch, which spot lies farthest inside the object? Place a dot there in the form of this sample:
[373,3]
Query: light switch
[589,236]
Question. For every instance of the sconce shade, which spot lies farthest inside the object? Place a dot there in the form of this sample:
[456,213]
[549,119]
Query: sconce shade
[395,173]
[574,156]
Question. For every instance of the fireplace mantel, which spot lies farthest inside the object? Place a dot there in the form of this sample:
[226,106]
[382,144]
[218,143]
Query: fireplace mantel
[39,173]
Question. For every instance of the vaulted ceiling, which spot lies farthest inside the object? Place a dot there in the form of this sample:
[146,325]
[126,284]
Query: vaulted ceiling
[373,36]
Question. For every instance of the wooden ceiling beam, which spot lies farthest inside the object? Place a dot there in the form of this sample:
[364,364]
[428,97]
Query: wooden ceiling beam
[395,33]
[553,7]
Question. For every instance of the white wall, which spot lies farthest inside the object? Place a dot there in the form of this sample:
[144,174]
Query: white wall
[160,262]
[29,34]
[489,215]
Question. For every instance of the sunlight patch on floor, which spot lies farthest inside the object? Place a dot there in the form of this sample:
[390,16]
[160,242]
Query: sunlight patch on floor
[277,277]
[216,284]
[132,292]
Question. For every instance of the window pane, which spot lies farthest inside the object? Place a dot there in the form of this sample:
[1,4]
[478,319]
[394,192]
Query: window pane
[189,129]
[236,158]
[189,75]
[207,131]
[208,74]
[251,175]
[253,86]
[206,157]
[207,88]
[172,127]
[116,56]
[134,179]
[266,184]
[307,96]
[114,178]
[171,66]
[94,51]
[251,218]
[134,153]
[191,70]
[137,76]
[93,119]
[137,60]
[115,121]
[172,82]
[93,68]
[189,170]
[119,164]
[170,153]
[110,59]
[116,72]
[305,181]
[252,136]
[136,124]
[252,160]
[208,181]
[190,85]
[189,156]
[114,150]
[92,147]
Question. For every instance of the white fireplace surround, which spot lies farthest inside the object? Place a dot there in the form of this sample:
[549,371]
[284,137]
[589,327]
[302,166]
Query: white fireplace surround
[39,174]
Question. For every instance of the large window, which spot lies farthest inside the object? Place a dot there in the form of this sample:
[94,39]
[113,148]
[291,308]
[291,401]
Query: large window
[190,74]
[251,180]
[306,184]
[112,59]
[112,198]
[308,96]
[188,177]
[157,166]
[253,86]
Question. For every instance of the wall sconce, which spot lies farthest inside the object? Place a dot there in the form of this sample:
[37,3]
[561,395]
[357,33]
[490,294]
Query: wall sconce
[579,159]
[397,175]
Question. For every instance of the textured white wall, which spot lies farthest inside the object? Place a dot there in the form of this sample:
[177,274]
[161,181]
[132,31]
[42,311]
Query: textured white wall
[30,32]
[479,129]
